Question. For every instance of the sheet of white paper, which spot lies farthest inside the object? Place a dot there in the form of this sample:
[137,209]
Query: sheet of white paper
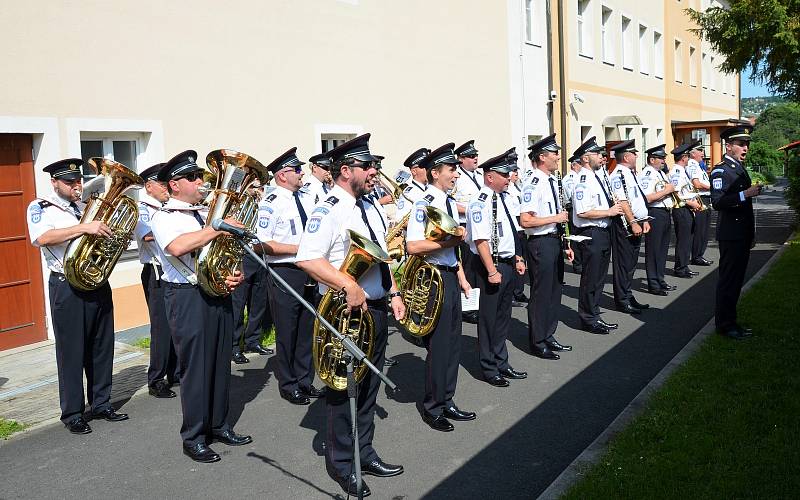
[471,303]
[578,238]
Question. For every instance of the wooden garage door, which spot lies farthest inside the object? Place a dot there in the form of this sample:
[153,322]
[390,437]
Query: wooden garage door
[22,313]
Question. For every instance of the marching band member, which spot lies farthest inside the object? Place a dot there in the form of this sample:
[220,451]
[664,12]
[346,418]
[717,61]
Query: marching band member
[702,219]
[514,200]
[201,325]
[322,250]
[682,216]
[417,187]
[468,185]
[282,217]
[444,343]
[569,182]
[593,210]
[659,208]
[541,216]
[83,322]
[496,255]
[163,360]
[626,249]
[320,182]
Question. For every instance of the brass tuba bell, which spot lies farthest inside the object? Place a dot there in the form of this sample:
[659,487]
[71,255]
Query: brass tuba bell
[327,349]
[89,259]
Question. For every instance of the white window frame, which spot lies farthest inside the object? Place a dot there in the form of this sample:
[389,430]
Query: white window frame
[692,66]
[644,44]
[585,31]
[607,38]
[658,54]
[712,74]
[626,41]
[344,130]
[677,59]
[532,13]
[704,70]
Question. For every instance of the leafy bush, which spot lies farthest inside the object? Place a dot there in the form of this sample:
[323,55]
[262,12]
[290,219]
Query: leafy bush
[765,159]
[757,178]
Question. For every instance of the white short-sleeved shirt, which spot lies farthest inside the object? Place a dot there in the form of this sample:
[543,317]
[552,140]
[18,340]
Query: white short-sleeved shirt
[569,182]
[648,180]
[626,188]
[279,220]
[52,212]
[326,236]
[480,227]
[538,198]
[316,189]
[589,195]
[148,250]
[526,174]
[514,202]
[697,172]
[679,178]
[411,194]
[174,219]
[467,186]
[415,231]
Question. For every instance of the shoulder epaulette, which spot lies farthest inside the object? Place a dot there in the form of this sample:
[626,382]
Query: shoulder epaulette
[44,204]
[583,177]
[535,181]
[408,189]
[482,196]
[332,200]
[428,198]
[271,197]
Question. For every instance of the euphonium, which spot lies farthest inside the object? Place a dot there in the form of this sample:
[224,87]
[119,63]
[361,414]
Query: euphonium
[89,259]
[235,172]
[327,349]
[421,283]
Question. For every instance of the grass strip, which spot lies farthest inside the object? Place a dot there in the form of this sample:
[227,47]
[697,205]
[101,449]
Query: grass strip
[9,427]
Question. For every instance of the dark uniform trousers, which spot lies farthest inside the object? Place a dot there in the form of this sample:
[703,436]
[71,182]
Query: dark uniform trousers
[163,358]
[467,258]
[444,349]
[294,326]
[83,324]
[339,442]
[596,256]
[702,225]
[252,292]
[576,248]
[495,317]
[682,217]
[626,255]
[201,328]
[656,247]
[519,279]
[544,253]
[734,256]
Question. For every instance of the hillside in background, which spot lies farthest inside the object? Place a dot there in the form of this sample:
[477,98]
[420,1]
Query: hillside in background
[753,106]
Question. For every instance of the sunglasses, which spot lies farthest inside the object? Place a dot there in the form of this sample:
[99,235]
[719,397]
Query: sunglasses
[366,165]
[191,176]
[470,156]
[297,169]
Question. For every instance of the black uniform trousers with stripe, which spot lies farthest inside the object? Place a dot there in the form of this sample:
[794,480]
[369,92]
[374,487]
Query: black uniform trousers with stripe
[656,247]
[683,220]
[83,325]
[163,357]
[494,319]
[544,253]
[734,255]
[252,292]
[626,255]
[596,256]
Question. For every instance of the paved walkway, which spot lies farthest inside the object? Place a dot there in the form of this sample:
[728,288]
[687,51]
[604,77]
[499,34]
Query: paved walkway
[525,435]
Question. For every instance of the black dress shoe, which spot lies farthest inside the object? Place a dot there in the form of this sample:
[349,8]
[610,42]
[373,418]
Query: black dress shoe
[597,329]
[734,333]
[78,426]
[513,374]
[639,305]
[543,352]
[110,415]
[668,287]
[455,413]
[389,362]
[437,422]
[610,326]
[702,262]
[295,397]
[348,484]
[259,349]
[657,291]
[556,346]
[313,392]
[231,438]
[498,381]
[379,468]
[160,390]
[200,453]
[239,358]
[470,317]
[683,274]
[628,309]
[693,273]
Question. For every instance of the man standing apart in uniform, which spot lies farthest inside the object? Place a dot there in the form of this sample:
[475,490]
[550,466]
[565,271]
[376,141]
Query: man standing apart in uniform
[83,322]
[468,185]
[702,218]
[282,217]
[322,250]
[163,360]
[201,325]
[731,195]
[542,216]
[683,216]
[496,256]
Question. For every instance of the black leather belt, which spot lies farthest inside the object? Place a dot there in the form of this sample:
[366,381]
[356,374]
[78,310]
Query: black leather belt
[449,269]
[548,235]
[506,260]
[290,265]
[179,285]
[590,228]
[668,209]
[377,304]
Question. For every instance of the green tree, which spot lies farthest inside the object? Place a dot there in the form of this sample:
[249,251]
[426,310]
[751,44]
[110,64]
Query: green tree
[765,159]
[763,35]
[778,125]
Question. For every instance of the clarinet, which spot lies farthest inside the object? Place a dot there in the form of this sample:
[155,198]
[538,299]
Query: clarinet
[563,227]
[615,200]
[495,241]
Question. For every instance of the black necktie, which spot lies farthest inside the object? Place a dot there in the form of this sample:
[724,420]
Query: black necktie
[608,198]
[386,278]
[639,187]
[199,219]
[555,196]
[300,210]
[75,211]
[471,178]
[513,229]
[372,202]
[447,204]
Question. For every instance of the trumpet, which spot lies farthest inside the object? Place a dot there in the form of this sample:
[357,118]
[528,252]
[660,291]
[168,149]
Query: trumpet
[397,190]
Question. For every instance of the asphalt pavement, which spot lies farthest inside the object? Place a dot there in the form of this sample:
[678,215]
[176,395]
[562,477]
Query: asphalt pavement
[524,436]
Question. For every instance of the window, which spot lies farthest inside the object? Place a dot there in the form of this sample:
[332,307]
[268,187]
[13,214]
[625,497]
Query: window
[531,35]
[692,67]
[678,62]
[704,70]
[627,44]
[644,53]
[712,74]
[330,141]
[658,55]
[645,145]
[585,131]
[585,28]
[606,36]
[122,148]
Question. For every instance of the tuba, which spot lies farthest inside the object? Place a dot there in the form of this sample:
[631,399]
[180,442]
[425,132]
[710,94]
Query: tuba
[89,259]
[357,325]
[235,172]
[421,283]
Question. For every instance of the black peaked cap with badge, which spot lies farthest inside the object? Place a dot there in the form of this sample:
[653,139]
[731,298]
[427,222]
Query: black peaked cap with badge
[512,158]
[416,157]
[321,160]
[657,151]
[628,146]
[546,144]
[354,149]
[287,159]
[589,146]
[733,133]
[442,154]
[179,165]
[681,150]
[501,164]
[151,173]
[65,170]
[466,149]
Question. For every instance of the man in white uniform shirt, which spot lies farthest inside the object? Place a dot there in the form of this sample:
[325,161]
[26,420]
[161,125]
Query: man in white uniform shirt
[320,182]
[569,181]
[83,321]
[418,184]
[702,218]
[514,200]
[469,183]
[682,217]
[322,250]
[282,217]
[201,325]
[163,359]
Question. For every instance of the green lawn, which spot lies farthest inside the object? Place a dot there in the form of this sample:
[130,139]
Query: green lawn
[725,425]
[9,427]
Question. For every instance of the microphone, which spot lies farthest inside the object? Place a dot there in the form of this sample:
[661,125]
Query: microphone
[239,232]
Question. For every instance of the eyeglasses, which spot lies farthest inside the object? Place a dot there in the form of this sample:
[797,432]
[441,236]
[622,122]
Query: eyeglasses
[191,176]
